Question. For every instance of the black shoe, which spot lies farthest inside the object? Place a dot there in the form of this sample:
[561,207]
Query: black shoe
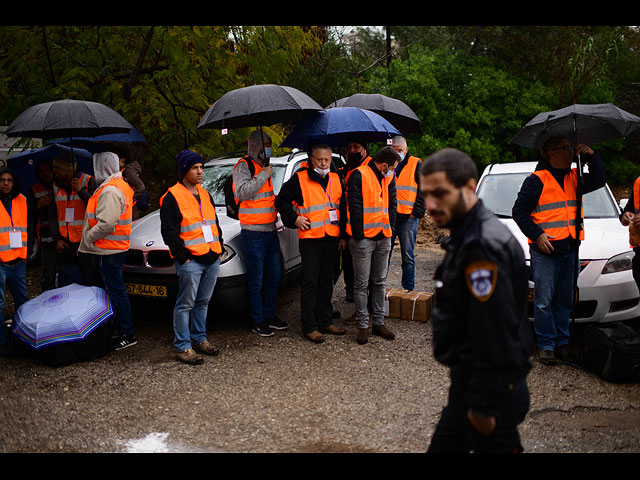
[547,357]
[276,324]
[563,353]
[125,341]
[262,329]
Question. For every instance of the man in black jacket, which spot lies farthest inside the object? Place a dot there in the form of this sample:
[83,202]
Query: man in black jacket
[480,326]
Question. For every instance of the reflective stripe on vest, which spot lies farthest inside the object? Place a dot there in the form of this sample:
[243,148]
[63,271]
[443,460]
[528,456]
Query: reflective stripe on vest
[375,204]
[556,209]
[317,203]
[260,209]
[119,238]
[407,187]
[194,216]
[70,230]
[16,222]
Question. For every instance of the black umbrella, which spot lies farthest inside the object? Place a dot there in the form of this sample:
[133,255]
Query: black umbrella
[398,113]
[257,106]
[587,124]
[67,118]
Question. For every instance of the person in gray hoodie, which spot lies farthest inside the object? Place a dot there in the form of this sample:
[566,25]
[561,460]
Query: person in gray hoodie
[105,236]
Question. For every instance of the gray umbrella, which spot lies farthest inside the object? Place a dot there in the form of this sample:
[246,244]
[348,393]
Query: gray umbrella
[582,124]
[396,112]
[67,118]
[257,106]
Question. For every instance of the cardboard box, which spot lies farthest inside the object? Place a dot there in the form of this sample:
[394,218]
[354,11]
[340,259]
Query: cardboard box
[416,306]
[392,302]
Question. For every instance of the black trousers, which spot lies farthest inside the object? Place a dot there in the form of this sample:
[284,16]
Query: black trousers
[455,434]
[318,261]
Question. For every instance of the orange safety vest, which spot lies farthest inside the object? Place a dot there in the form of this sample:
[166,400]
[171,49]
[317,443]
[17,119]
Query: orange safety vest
[194,216]
[42,225]
[16,222]
[633,233]
[556,209]
[119,238]
[260,209]
[375,204]
[348,174]
[317,202]
[70,230]
[407,187]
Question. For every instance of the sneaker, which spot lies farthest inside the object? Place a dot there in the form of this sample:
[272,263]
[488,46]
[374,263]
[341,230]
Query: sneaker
[206,348]
[383,332]
[276,324]
[125,341]
[547,357]
[262,329]
[190,357]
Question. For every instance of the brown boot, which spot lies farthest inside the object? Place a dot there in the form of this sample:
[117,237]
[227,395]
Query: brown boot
[334,330]
[315,336]
[363,336]
[383,332]
[206,348]
[351,320]
[190,357]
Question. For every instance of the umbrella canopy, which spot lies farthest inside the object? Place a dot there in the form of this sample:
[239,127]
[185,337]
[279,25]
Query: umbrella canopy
[398,113]
[67,118]
[335,126]
[258,105]
[24,164]
[65,314]
[92,144]
[588,124]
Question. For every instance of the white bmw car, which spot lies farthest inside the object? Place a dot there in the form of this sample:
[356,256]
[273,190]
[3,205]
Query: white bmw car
[607,290]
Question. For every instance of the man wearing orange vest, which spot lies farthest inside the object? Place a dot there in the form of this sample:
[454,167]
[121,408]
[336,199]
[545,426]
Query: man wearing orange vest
[71,192]
[39,199]
[410,209]
[13,248]
[313,202]
[630,218]
[371,212]
[258,216]
[191,230]
[105,237]
[545,211]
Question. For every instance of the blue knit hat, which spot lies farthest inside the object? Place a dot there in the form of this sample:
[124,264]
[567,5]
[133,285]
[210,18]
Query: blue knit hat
[187,159]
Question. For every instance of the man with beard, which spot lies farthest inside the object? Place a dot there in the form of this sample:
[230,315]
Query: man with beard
[480,325]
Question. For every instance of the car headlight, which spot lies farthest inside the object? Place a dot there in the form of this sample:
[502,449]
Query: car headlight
[227,254]
[619,263]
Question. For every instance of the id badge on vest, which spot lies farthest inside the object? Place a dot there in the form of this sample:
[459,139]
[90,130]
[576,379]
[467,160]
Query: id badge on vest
[208,234]
[15,239]
[69,215]
[333,216]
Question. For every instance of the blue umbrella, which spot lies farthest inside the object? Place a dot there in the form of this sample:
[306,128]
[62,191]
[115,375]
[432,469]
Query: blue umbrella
[335,127]
[24,164]
[92,143]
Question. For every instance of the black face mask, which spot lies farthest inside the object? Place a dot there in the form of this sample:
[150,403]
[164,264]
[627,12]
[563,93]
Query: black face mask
[354,157]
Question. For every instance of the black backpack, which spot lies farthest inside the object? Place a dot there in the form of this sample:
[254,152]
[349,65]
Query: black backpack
[232,205]
[612,351]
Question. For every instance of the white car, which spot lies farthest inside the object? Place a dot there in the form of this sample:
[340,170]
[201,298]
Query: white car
[149,271]
[607,290]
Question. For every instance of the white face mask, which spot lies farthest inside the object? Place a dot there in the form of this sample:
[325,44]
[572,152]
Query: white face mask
[389,173]
[321,172]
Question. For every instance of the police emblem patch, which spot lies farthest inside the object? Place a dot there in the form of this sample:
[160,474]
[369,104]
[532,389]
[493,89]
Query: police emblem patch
[481,279]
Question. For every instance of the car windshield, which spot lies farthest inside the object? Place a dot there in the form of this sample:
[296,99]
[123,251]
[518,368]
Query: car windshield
[215,176]
[499,192]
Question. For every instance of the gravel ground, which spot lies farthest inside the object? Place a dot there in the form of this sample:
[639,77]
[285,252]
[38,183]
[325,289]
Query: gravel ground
[285,394]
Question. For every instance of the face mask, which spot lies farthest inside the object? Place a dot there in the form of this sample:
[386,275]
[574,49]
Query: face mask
[321,172]
[401,155]
[266,155]
[389,173]
[354,157]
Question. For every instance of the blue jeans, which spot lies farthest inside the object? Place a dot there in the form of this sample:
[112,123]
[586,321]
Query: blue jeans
[110,268]
[196,282]
[14,277]
[264,271]
[553,300]
[407,233]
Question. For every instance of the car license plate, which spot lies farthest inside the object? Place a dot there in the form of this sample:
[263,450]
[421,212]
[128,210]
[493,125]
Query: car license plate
[530,296]
[147,290]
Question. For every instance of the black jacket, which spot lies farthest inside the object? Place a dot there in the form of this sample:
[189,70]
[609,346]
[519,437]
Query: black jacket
[480,324]
[291,192]
[354,203]
[170,218]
